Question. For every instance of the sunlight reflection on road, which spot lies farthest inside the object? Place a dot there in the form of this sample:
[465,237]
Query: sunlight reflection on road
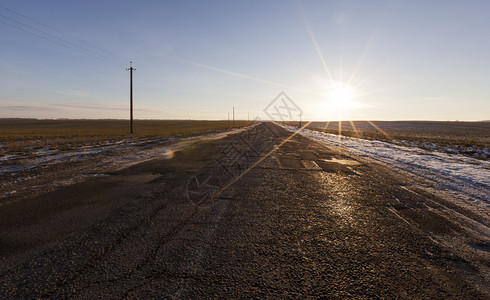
[340,191]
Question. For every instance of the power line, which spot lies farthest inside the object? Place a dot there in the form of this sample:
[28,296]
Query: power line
[41,36]
[53,38]
[61,32]
[57,42]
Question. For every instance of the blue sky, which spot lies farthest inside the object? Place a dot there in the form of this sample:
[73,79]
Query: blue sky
[403,60]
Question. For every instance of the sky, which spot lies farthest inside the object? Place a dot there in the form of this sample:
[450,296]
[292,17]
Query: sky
[356,60]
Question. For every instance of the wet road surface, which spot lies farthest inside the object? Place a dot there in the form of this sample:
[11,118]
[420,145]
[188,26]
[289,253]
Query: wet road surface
[244,216]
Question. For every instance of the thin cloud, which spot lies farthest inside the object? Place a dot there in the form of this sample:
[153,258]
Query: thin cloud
[92,106]
[99,107]
[26,108]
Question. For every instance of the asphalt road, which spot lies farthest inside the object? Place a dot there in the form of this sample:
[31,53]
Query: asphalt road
[258,214]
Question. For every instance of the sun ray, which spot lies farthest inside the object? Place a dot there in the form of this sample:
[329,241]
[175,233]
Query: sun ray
[340,135]
[315,43]
[370,42]
[359,63]
[380,130]
[367,78]
[326,126]
[355,129]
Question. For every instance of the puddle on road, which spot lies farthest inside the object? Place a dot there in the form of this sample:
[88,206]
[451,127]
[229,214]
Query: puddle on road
[347,162]
[329,165]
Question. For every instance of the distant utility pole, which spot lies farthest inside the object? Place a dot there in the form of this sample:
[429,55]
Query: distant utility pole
[131,69]
[228,121]
[300,120]
[248,117]
[233,116]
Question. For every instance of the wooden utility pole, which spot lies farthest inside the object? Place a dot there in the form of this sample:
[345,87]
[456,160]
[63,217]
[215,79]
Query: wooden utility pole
[228,121]
[131,69]
[233,116]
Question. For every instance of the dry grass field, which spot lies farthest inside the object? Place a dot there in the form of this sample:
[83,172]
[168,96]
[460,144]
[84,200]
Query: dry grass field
[26,135]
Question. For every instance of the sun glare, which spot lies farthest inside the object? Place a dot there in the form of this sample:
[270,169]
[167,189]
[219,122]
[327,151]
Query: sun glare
[342,96]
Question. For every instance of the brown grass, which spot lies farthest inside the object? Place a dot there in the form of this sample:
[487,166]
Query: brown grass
[17,135]
[457,133]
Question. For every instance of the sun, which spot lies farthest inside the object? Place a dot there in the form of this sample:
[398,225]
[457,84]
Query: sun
[342,96]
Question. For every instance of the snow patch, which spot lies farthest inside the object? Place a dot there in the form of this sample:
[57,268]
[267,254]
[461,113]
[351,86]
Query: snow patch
[466,178]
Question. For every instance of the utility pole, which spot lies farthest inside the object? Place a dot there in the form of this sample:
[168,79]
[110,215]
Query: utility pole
[300,120]
[131,69]
[228,121]
[248,117]
[233,116]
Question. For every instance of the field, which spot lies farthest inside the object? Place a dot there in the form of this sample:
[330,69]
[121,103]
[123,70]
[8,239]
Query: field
[38,155]
[215,213]
[112,210]
[467,138]
[33,135]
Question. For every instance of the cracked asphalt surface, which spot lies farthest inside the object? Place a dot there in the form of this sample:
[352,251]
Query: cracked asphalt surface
[305,221]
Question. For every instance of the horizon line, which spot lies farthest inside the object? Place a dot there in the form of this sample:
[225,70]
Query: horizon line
[261,120]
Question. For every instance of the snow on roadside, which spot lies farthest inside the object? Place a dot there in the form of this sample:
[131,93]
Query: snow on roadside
[123,153]
[466,178]
[42,158]
[18,173]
